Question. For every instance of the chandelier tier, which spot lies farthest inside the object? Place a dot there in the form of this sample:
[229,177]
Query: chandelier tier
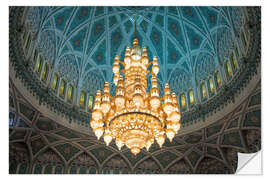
[134,117]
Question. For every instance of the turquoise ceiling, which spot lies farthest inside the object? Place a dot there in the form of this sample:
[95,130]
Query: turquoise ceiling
[81,42]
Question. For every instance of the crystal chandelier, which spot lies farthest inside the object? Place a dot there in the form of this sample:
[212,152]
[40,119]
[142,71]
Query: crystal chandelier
[134,117]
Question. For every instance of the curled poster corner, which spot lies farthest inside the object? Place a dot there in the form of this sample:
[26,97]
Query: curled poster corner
[249,164]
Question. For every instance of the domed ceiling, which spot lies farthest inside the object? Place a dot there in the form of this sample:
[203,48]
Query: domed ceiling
[81,42]
[49,134]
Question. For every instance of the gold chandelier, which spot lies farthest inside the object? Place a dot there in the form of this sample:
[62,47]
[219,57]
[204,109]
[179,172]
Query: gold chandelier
[134,117]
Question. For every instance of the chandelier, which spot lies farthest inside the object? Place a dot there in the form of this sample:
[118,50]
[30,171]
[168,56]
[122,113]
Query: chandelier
[135,117]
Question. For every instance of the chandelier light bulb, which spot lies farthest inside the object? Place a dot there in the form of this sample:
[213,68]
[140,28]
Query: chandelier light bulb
[170,134]
[175,127]
[155,69]
[105,107]
[107,138]
[175,116]
[96,124]
[135,150]
[115,79]
[161,140]
[99,132]
[96,114]
[119,144]
[149,144]
[116,68]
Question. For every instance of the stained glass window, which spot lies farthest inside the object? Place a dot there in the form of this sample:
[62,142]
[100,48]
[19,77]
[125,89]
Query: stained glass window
[62,87]
[203,89]
[211,84]
[70,91]
[191,97]
[55,81]
[234,61]
[82,99]
[218,80]
[90,102]
[45,72]
[38,64]
[183,100]
[229,69]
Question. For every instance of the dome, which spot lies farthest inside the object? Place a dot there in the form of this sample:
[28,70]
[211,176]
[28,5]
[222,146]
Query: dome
[210,56]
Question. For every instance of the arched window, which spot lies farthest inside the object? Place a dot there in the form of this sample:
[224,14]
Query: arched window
[183,100]
[218,79]
[211,86]
[90,102]
[23,168]
[73,170]
[243,39]
[27,44]
[116,171]
[58,170]
[48,169]
[55,81]
[45,72]
[92,171]
[11,118]
[70,93]
[106,171]
[228,68]
[62,88]
[234,62]
[82,99]
[38,169]
[82,170]
[39,63]
[191,97]
[35,55]
[203,90]
[25,33]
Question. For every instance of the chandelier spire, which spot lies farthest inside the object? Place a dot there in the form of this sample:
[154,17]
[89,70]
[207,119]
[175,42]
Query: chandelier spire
[135,22]
[134,117]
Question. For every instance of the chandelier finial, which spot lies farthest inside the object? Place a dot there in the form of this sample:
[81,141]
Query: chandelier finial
[135,19]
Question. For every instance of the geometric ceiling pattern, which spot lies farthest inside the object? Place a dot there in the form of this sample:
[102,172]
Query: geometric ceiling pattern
[79,44]
[55,34]
[188,41]
[39,145]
